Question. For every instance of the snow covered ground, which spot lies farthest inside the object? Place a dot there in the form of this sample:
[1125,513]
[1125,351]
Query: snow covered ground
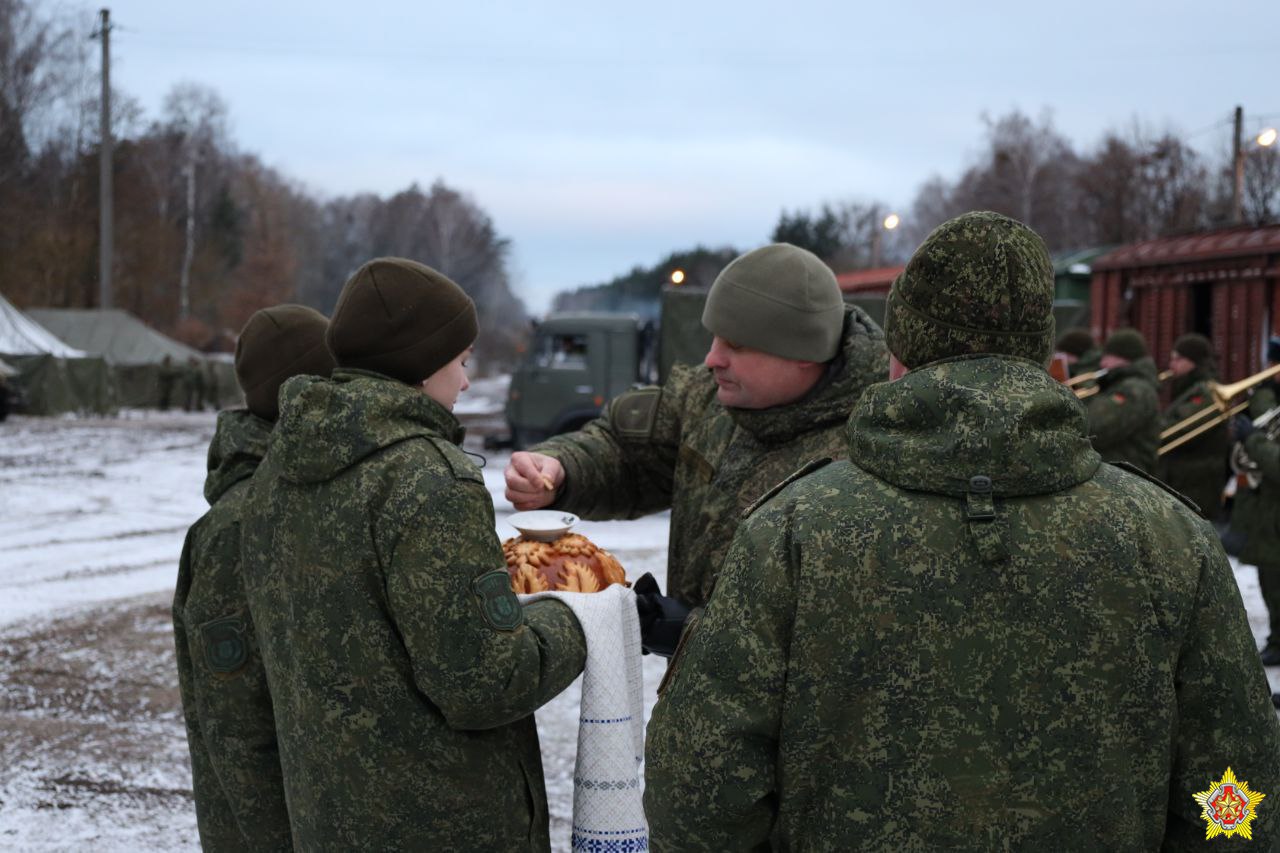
[92,518]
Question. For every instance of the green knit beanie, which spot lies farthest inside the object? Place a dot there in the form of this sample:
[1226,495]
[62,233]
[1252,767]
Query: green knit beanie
[980,283]
[402,319]
[778,299]
[1076,342]
[1195,348]
[1127,344]
[277,344]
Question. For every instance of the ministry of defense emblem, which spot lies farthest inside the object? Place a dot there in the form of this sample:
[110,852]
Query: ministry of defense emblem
[1229,807]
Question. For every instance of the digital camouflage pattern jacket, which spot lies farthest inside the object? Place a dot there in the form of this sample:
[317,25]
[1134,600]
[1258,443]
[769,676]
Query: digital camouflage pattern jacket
[969,635]
[1256,513]
[404,671]
[677,447]
[1124,417]
[235,765]
[1197,469]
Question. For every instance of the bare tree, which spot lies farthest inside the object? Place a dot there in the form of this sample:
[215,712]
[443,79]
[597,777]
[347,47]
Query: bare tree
[1262,185]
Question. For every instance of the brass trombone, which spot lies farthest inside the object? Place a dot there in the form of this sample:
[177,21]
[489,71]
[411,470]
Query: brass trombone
[1220,411]
[1082,393]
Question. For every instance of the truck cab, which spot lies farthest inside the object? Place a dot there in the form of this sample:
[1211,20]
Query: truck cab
[574,365]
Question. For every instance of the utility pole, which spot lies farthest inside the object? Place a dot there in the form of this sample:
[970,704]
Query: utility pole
[1237,166]
[105,225]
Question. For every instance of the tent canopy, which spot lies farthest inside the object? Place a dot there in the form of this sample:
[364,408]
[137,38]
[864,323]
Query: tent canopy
[19,335]
[116,335]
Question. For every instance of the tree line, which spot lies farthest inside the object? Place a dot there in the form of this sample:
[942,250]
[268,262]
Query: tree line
[205,234]
[1133,184]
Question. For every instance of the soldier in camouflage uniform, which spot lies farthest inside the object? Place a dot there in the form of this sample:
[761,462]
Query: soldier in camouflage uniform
[235,765]
[1081,352]
[1256,513]
[404,671]
[972,634]
[787,362]
[1124,416]
[1198,468]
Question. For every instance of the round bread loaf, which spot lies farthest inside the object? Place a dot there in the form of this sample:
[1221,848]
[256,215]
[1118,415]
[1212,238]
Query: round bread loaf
[571,563]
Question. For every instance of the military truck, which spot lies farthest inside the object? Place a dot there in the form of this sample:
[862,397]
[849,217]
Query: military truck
[577,363]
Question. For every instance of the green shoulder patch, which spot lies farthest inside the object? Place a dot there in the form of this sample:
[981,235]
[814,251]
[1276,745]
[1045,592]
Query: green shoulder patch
[226,648]
[459,463]
[805,469]
[634,413]
[1151,478]
[498,604]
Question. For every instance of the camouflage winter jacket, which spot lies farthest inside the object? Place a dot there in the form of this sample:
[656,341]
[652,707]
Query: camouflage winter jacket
[1256,512]
[235,765]
[970,635]
[1124,416]
[1197,469]
[404,671]
[678,447]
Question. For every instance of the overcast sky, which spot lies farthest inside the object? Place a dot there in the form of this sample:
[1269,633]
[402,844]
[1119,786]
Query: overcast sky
[601,136]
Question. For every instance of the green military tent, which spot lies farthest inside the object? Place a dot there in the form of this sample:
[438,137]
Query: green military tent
[143,360]
[52,378]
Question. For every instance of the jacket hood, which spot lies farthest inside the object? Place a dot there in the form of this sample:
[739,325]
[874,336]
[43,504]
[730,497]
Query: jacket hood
[328,425]
[1144,368]
[863,360]
[994,416]
[239,442]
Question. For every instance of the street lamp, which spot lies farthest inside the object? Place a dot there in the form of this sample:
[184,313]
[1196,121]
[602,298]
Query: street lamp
[1267,138]
[677,277]
[889,223]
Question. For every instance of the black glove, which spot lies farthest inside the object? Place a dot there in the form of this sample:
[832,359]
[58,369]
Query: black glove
[1242,427]
[661,618]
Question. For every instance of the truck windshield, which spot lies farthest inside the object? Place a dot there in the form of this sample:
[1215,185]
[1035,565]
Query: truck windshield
[562,351]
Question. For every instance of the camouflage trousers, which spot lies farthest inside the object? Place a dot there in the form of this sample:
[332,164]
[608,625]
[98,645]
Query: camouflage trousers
[1269,581]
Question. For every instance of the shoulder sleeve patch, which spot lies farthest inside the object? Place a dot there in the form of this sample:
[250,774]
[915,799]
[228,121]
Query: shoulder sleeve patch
[634,413]
[804,470]
[498,604]
[226,646]
[1134,469]
[459,463]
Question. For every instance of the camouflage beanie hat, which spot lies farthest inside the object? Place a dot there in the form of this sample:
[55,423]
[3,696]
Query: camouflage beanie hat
[1076,342]
[1126,343]
[778,299]
[276,344]
[980,283]
[402,319]
[1193,347]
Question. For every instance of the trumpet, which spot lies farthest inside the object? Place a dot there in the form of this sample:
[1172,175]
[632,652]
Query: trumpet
[1186,429]
[1269,422]
[1082,393]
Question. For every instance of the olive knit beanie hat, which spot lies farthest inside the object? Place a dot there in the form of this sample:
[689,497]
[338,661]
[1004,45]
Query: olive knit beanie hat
[402,319]
[1126,343]
[980,283]
[778,299]
[1193,347]
[276,344]
[1076,342]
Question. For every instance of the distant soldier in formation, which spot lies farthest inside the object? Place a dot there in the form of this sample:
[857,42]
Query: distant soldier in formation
[1124,416]
[972,634]
[787,362]
[404,671]
[235,763]
[193,386]
[1081,351]
[1256,511]
[1197,468]
[165,379]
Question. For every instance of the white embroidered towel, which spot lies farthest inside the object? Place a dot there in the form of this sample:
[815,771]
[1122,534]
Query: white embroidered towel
[608,814]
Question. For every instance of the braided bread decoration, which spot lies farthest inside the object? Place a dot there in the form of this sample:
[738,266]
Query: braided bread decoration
[571,563]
